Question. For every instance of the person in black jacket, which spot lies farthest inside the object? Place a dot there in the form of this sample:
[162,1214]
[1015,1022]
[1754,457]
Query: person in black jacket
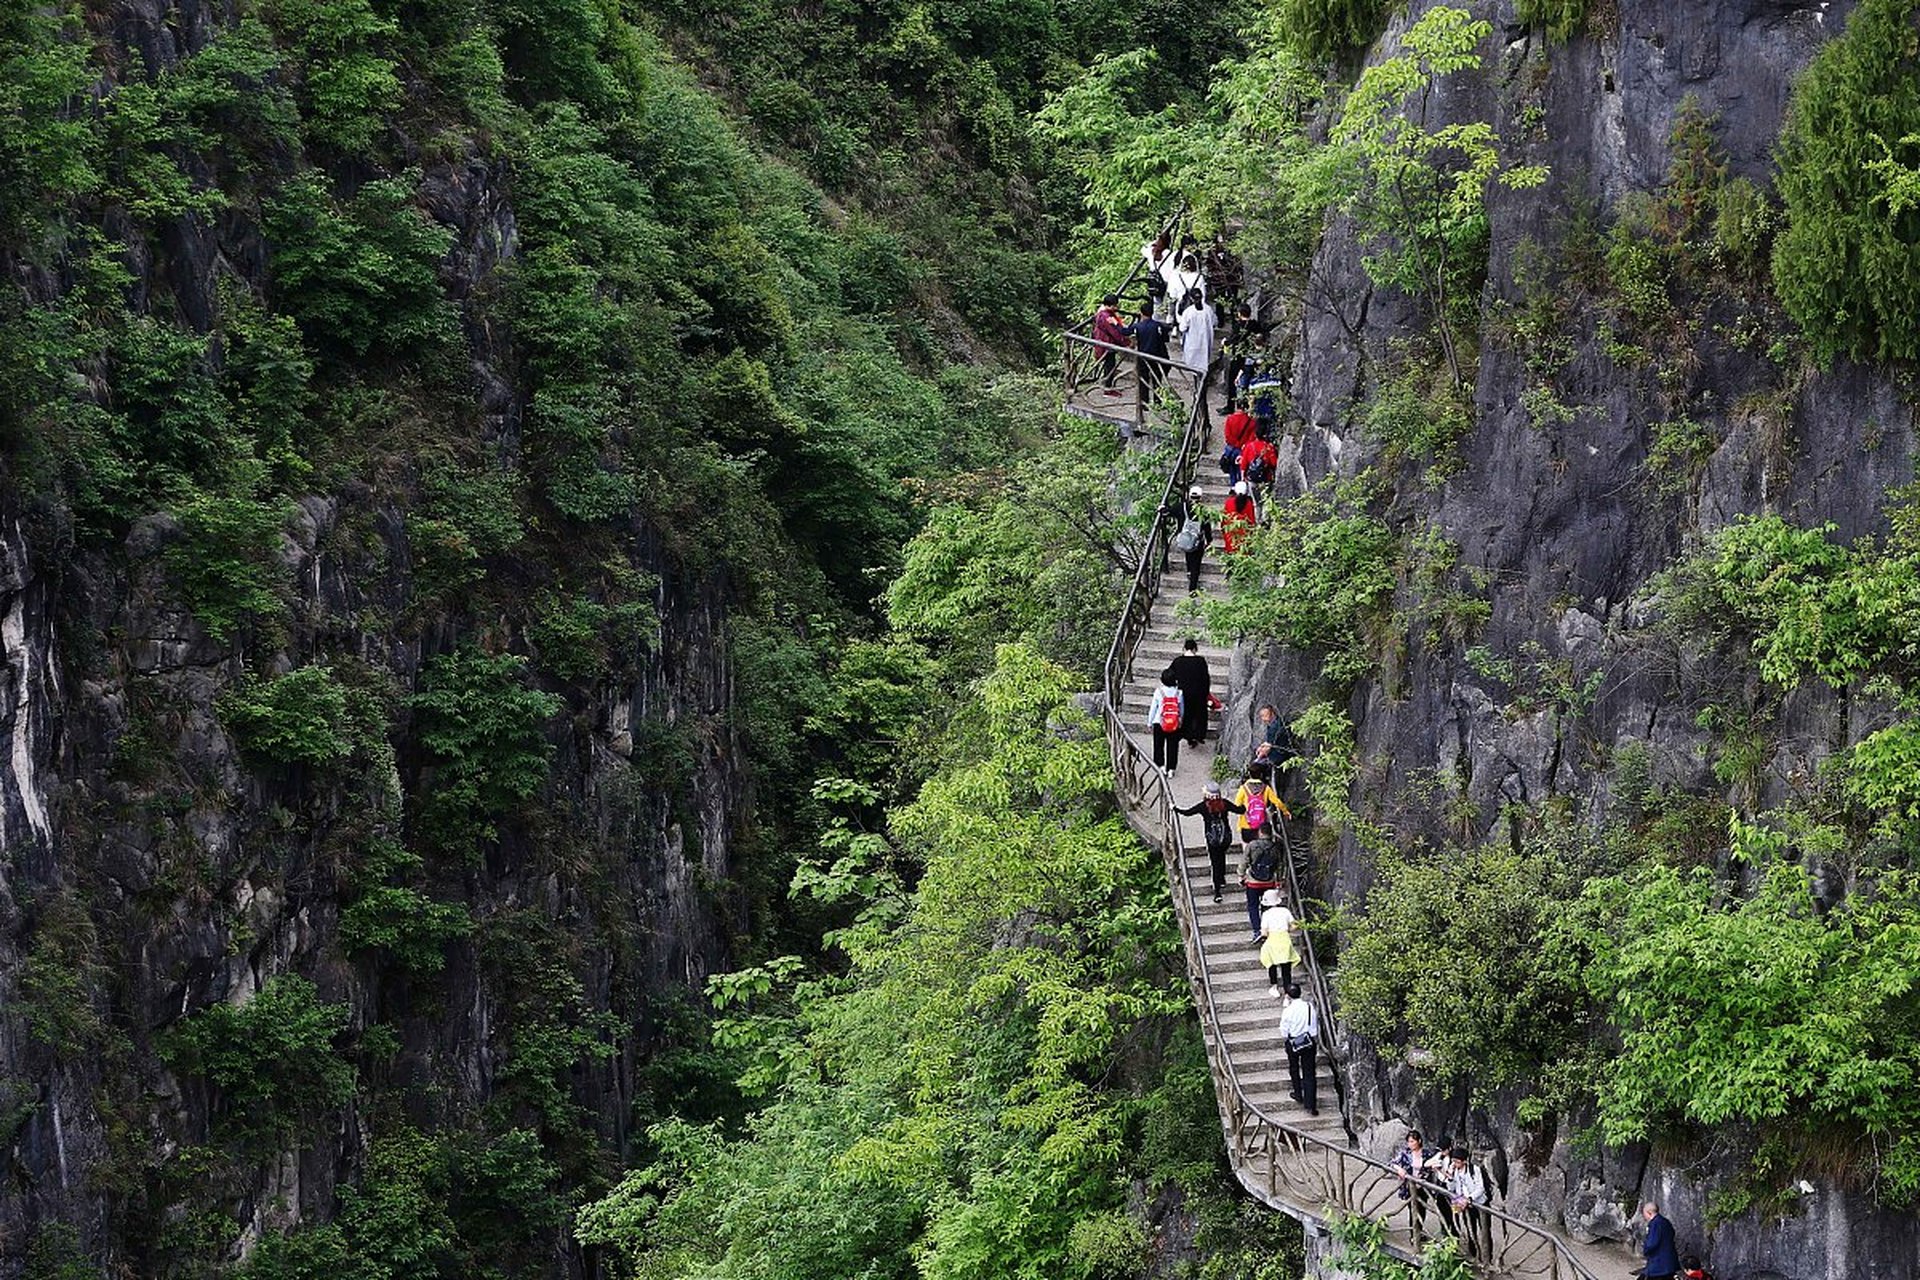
[1213,809]
[1150,339]
[1189,671]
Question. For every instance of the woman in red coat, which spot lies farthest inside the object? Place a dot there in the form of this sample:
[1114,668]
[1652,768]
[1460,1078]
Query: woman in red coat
[1239,518]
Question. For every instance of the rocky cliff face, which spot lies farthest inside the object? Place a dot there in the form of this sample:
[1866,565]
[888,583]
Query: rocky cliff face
[151,869]
[203,875]
[1567,510]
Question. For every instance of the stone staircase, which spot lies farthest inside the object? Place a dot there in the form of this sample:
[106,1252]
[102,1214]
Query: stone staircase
[1298,1163]
[1248,1017]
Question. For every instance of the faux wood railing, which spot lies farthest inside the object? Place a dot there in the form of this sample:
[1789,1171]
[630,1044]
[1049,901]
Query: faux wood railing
[1285,1167]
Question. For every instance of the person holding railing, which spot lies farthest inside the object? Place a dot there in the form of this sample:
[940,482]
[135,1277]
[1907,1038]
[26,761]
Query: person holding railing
[1410,1162]
[1150,340]
[1110,327]
[1467,1197]
[1273,747]
[1213,808]
[1260,813]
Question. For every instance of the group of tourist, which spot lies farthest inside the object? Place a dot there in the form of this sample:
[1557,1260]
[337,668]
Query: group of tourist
[1184,286]
[1255,813]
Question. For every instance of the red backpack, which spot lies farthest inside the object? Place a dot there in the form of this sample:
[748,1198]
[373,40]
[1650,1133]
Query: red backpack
[1169,712]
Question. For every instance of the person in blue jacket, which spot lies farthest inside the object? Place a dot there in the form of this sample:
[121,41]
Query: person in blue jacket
[1662,1258]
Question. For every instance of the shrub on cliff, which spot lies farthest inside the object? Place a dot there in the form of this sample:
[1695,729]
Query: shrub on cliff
[273,1059]
[1848,263]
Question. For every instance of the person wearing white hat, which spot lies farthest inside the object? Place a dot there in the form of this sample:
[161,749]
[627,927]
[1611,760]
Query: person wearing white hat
[1193,534]
[1277,927]
[1237,523]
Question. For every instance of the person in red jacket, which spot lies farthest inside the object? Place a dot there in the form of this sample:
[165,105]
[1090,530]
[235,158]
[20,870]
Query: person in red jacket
[1239,518]
[1238,429]
[1258,462]
[1109,326]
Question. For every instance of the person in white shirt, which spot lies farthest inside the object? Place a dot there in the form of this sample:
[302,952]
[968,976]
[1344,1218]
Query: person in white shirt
[1299,1027]
[1166,717]
[1467,1196]
[1196,336]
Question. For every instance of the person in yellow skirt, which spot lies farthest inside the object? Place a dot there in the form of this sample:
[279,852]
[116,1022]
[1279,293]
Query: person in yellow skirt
[1277,952]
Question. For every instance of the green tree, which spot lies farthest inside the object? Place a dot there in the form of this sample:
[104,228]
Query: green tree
[950,1109]
[1847,263]
[1763,1010]
[275,1060]
[1418,193]
[487,732]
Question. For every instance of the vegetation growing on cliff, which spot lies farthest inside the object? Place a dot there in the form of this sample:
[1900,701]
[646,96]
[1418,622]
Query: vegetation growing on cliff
[1847,264]
[418,373]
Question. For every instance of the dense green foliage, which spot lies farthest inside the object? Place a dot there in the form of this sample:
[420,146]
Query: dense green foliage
[430,379]
[1461,954]
[1766,1011]
[961,1103]
[485,729]
[275,1059]
[1336,561]
[1558,18]
[1847,263]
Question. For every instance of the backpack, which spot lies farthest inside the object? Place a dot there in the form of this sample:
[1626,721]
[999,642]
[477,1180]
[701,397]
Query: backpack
[1262,866]
[1229,459]
[1188,539]
[1256,811]
[1169,713]
[1260,470]
[1215,823]
[1156,284]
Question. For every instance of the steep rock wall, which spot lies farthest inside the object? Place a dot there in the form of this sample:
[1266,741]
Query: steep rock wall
[1567,522]
[203,874]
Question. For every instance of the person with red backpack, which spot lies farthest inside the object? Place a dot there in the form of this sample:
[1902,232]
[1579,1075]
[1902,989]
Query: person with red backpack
[1166,710]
